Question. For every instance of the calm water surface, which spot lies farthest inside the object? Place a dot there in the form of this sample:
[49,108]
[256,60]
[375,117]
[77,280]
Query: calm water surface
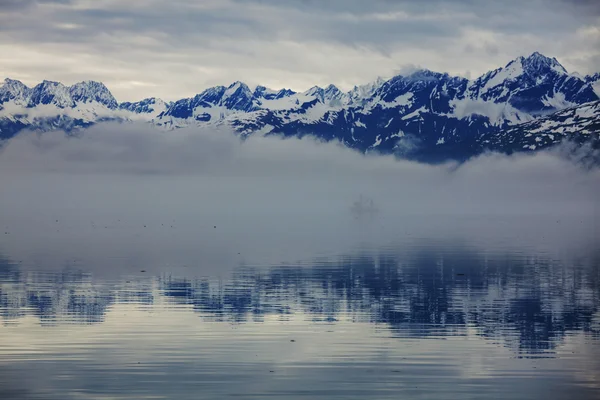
[216,306]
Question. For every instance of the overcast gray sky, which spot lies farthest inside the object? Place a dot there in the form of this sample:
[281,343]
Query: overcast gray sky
[176,48]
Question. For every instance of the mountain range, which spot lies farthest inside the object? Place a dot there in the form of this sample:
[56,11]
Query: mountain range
[530,104]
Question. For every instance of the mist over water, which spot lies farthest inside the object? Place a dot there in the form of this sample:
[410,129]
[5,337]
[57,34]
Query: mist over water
[143,191]
[139,262]
[212,168]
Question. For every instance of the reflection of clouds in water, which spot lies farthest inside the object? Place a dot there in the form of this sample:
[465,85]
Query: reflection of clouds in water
[182,353]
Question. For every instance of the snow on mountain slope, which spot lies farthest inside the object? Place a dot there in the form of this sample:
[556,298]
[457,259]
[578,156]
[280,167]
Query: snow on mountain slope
[146,109]
[499,77]
[90,91]
[13,90]
[535,85]
[52,105]
[579,123]
[359,94]
[49,92]
[426,110]
[594,80]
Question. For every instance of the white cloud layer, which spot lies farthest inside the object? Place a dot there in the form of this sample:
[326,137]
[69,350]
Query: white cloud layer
[282,174]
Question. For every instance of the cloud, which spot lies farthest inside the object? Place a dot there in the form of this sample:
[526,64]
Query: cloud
[290,173]
[153,48]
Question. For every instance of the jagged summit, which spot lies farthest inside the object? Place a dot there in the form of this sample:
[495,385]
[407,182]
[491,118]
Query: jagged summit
[57,94]
[262,92]
[12,89]
[88,91]
[237,96]
[50,92]
[537,62]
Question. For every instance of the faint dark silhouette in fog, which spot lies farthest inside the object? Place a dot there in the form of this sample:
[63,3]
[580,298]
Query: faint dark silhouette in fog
[364,207]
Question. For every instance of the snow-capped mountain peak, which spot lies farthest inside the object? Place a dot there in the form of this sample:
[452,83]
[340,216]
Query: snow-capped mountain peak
[89,91]
[330,95]
[528,87]
[315,91]
[360,95]
[332,90]
[50,92]
[57,94]
[334,96]
[284,93]
[238,96]
[537,63]
[14,90]
[237,88]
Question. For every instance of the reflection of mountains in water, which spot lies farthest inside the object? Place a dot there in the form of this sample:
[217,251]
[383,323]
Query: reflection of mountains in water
[530,304]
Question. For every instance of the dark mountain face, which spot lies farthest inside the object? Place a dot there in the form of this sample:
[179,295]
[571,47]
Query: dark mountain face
[428,116]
